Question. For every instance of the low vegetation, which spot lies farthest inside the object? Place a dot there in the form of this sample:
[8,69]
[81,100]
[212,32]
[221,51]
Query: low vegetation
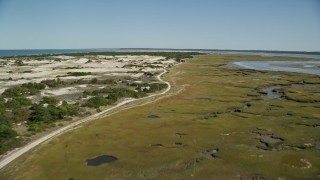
[24,90]
[41,116]
[53,82]
[215,125]
[106,96]
[76,74]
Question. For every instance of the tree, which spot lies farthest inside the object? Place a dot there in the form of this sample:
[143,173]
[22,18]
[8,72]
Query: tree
[7,136]
[39,114]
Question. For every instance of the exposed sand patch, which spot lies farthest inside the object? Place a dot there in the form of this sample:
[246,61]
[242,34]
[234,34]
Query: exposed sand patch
[63,57]
[100,66]
[81,61]
[60,91]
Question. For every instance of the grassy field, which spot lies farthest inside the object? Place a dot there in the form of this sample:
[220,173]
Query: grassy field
[218,126]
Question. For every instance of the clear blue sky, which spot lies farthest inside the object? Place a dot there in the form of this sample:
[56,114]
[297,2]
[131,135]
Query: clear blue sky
[219,24]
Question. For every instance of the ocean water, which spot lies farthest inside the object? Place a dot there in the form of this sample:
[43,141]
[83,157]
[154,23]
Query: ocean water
[61,51]
[19,52]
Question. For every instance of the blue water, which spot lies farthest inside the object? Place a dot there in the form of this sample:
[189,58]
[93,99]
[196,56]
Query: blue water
[60,51]
[48,51]
[314,56]
[308,67]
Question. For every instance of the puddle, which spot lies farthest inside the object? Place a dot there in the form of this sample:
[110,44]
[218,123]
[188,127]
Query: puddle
[156,145]
[246,105]
[276,77]
[100,160]
[272,93]
[270,139]
[210,153]
[256,79]
[153,116]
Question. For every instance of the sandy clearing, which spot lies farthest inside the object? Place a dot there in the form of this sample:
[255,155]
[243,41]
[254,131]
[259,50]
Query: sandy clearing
[63,57]
[60,91]
[81,61]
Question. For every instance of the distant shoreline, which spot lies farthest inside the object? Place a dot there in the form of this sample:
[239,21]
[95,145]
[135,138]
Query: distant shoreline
[35,52]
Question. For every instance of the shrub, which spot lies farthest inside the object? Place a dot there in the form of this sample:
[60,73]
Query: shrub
[53,82]
[50,100]
[78,73]
[18,102]
[96,102]
[24,89]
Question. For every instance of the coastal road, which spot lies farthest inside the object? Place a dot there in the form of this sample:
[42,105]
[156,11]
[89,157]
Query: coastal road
[19,151]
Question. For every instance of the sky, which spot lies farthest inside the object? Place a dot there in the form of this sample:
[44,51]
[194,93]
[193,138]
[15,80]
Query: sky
[201,24]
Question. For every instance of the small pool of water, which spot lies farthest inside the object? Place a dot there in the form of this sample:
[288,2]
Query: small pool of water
[272,93]
[276,77]
[270,139]
[100,160]
[153,116]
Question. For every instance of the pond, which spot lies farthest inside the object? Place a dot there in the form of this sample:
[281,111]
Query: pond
[153,116]
[100,160]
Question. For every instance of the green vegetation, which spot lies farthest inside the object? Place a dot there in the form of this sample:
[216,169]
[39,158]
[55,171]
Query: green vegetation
[306,94]
[17,102]
[112,96]
[77,74]
[105,81]
[8,138]
[42,117]
[96,102]
[117,93]
[49,100]
[44,114]
[19,62]
[74,67]
[205,130]
[24,90]
[53,82]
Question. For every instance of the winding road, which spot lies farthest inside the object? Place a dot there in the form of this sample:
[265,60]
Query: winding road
[19,151]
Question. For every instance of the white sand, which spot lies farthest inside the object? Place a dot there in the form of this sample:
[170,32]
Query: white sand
[60,91]
[50,69]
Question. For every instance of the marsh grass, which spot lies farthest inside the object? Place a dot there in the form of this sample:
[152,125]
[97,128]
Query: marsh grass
[128,135]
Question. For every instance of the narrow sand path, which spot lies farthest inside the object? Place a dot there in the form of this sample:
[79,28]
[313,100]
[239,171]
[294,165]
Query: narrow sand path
[19,151]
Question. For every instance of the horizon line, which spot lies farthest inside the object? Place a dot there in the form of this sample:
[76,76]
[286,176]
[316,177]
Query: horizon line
[190,49]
